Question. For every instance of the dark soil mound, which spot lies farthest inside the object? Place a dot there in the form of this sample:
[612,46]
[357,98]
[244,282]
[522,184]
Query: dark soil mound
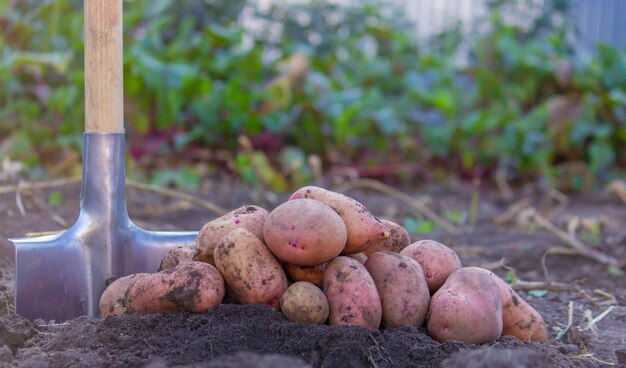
[182,339]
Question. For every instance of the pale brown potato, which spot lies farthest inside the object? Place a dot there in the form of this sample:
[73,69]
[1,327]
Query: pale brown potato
[312,274]
[176,256]
[250,269]
[519,318]
[403,291]
[363,228]
[304,302]
[248,217]
[112,299]
[466,308]
[193,286]
[351,294]
[398,239]
[304,232]
[437,261]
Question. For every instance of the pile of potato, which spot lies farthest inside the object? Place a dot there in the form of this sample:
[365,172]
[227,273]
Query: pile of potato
[322,257]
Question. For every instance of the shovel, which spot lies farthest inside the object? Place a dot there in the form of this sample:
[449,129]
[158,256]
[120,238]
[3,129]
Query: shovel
[62,276]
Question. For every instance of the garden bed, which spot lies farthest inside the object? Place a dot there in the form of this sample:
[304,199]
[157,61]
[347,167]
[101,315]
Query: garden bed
[257,336]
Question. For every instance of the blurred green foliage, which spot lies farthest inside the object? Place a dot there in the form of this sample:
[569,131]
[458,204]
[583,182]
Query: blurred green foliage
[349,84]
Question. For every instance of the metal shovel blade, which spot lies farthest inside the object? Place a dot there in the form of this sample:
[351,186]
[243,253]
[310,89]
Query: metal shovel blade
[60,277]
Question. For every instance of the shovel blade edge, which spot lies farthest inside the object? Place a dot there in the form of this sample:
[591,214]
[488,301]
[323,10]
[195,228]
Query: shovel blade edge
[51,280]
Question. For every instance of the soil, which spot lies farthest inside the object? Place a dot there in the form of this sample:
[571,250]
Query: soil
[257,336]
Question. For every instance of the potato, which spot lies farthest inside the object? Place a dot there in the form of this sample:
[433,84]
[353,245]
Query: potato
[112,299]
[304,302]
[248,217]
[363,228]
[466,308]
[193,286]
[437,261]
[312,274]
[304,232]
[351,294]
[403,291]
[519,318]
[398,239]
[361,257]
[250,269]
[176,256]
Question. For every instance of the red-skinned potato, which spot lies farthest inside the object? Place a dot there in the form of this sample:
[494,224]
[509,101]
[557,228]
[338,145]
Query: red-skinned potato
[250,269]
[398,239]
[361,257]
[304,232]
[312,274]
[403,291]
[193,286]
[176,256]
[304,302]
[519,318]
[437,261]
[466,308]
[248,217]
[363,228]
[351,294]
[112,299]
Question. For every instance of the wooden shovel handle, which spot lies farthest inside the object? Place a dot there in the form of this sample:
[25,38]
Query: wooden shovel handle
[104,76]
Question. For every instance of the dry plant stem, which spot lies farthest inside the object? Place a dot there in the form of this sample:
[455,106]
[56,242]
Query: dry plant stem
[160,209]
[41,206]
[522,209]
[570,321]
[415,204]
[591,324]
[560,198]
[511,212]
[178,195]
[541,285]
[41,233]
[619,188]
[580,247]
[24,185]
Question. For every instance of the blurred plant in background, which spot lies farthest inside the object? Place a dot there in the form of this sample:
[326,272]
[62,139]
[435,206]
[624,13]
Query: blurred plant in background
[348,86]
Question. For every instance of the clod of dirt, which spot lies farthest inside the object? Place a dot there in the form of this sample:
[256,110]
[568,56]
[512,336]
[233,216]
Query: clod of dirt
[14,331]
[499,358]
[6,355]
[252,360]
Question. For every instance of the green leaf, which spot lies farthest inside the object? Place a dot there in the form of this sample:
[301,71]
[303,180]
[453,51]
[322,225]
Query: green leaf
[54,198]
[418,226]
[538,293]
[615,271]
[510,277]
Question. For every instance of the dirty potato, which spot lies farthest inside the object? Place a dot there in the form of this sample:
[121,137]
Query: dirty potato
[398,239]
[351,294]
[193,286]
[250,269]
[363,228]
[112,299]
[304,232]
[248,217]
[304,302]
[437,261]
[312,274]
[176,256]
[466,308]
[519,318]
[403,291]
[361,257]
